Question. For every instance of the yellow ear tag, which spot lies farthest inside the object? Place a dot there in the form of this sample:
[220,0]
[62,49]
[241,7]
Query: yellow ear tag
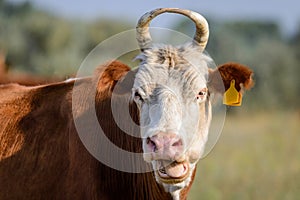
[232,97]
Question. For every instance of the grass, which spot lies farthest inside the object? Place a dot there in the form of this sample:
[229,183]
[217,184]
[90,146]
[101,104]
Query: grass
[256,157]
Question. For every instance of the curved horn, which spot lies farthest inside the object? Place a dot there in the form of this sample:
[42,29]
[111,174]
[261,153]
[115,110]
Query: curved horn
[144,37]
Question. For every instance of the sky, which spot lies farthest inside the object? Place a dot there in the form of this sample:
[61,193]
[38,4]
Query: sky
[285,12]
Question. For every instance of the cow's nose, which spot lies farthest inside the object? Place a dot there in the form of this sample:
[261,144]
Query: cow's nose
[165,145]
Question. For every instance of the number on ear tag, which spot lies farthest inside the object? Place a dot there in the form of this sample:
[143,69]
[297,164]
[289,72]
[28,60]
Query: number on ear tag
[232,97]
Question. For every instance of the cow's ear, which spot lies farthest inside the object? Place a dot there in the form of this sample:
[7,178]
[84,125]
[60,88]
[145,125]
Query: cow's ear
[229,80]
[110,73]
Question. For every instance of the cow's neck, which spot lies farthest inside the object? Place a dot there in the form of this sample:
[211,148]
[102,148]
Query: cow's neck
[135,185]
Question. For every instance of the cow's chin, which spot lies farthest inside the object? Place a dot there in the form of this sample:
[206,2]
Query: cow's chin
[172,173]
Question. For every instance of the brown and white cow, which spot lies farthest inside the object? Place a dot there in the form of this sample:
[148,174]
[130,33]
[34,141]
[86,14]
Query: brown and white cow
[42,152]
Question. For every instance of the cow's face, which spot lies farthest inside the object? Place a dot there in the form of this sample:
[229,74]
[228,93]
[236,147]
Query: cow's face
[171,92]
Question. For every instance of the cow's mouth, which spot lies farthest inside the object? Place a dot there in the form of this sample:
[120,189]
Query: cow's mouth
[172,173]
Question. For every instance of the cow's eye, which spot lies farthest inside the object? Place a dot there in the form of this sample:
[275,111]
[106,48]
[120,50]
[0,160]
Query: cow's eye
[202,94]
[138,96]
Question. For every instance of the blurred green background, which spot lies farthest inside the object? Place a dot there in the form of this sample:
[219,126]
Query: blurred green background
[258,154]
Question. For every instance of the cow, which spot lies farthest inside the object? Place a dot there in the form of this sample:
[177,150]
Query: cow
[48,139]
[3,64]
[22,78]
[27,79]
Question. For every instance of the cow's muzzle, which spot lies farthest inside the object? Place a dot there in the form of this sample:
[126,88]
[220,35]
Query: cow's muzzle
[166,151]
[172,173]
[164,146]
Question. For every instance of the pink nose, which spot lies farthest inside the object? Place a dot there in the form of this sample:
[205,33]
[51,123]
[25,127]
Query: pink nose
[166,146]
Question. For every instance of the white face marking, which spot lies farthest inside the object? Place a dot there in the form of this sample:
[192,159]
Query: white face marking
[171,93]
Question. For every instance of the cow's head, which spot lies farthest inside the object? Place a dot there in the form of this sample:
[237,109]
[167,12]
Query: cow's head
[172,91]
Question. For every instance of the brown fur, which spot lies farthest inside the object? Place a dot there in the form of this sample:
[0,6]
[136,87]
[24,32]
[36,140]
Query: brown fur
[42,156]
[229,71]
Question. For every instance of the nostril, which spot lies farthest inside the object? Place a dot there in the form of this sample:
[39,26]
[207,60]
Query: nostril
[151,144]
[164,146]
[178,143]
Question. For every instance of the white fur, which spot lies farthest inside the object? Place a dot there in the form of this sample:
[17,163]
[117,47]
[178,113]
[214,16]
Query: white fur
[71,80]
